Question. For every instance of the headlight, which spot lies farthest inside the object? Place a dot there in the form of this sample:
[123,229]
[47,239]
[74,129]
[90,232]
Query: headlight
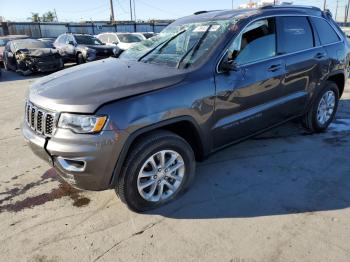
[82,123]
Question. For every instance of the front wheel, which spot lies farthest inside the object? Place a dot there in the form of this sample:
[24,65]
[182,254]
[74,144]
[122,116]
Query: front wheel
[323,110]
[160,167]
[80,59]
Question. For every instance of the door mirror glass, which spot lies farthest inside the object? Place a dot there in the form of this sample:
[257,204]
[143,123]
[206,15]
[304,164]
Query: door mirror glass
[70,42]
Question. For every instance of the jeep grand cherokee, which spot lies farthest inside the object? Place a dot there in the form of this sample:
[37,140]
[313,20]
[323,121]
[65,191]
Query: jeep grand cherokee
[139,123]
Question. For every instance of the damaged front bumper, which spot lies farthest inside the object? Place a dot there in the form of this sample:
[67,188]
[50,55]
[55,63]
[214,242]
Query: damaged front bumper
[84,161]
[28,65]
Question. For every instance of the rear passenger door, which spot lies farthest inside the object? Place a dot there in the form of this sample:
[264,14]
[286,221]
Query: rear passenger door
[306,61]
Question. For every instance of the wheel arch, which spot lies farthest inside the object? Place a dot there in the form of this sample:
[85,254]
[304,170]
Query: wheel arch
[339,79]
[185,127]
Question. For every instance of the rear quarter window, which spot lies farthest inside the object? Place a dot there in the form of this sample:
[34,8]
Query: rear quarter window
[295,34]
[325,31]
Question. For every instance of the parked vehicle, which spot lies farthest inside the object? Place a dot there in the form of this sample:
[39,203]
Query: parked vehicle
[346,30]
[148,34]
[29,55]
[5,39]
[121,40]
[48,40]
[82,48]
[139,123]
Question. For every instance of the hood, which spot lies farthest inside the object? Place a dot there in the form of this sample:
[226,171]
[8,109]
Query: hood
[39,52]
[82,89]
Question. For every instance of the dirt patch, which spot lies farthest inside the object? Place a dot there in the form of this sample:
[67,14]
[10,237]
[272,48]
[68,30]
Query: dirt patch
[64,190]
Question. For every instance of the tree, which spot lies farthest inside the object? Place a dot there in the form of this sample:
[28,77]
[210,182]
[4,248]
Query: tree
[35,18]
[49,17]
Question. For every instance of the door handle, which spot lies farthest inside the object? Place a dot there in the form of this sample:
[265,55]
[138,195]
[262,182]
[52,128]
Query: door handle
[275,68]
[320,55]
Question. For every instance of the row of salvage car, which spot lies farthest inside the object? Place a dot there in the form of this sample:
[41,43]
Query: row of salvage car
[26,56]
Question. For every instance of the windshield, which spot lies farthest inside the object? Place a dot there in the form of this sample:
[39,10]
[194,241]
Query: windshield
[180,44]
[129,38]
[30,44]
[87,40]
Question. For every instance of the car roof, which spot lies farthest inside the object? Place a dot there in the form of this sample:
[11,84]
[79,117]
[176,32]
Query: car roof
[24,40]
[13,36]
[203,16]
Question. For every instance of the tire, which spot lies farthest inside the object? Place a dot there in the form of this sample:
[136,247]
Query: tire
[5,64]
[311,120]
[151,146]
[80,59]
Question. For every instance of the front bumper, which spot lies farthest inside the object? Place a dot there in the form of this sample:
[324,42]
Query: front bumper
[91,159]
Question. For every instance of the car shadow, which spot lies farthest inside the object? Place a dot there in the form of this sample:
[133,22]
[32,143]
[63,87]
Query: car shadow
[284,171]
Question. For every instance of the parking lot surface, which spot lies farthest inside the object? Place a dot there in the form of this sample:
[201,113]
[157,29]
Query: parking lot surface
[282,196]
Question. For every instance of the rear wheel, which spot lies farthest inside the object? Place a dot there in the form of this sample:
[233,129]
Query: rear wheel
[159,167]
[323,110]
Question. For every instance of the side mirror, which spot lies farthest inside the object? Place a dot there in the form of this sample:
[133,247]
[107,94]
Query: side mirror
[9,54]
[228,66]
[70,43]
[115,43]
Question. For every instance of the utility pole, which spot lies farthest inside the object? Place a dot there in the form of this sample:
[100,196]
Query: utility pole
[54,10]
[347,12]
[232,4]
[130,11]
[134,10]
[336,10]
[324,5]
[112,11]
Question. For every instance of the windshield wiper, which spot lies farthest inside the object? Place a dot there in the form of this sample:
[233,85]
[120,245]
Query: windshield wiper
[162,45]
[194,48]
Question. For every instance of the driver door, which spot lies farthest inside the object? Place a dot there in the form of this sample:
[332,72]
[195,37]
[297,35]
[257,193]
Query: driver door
[249,97]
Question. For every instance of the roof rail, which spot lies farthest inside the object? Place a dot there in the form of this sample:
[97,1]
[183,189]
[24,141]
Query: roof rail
[291,6]
[200,12]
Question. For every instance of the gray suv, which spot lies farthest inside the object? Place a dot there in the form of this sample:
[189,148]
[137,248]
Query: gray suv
[139,123]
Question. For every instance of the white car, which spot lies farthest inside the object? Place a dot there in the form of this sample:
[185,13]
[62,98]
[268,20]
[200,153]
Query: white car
[122,40]
[346,30]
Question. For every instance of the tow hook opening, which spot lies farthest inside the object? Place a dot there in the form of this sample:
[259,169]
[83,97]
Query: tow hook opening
[72,165]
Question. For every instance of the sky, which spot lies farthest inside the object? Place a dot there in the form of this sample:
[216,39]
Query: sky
[82,10]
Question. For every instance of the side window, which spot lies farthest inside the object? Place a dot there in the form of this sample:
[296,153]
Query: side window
[256,42]
[62,39]
[112,38]
[325,31]
[295,34]
[69,38]
[103,38]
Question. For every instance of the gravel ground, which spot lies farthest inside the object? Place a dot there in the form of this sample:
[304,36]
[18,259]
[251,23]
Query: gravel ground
[282,196]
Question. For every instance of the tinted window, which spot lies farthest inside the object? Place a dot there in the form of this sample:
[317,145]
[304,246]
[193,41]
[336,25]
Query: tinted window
[257,42]
[129,38]
[325,31]
[87,40]
[295,34]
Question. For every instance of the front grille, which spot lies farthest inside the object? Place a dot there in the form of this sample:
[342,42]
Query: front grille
[40,120]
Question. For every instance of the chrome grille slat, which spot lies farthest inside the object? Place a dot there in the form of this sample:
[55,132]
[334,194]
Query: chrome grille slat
[40,120]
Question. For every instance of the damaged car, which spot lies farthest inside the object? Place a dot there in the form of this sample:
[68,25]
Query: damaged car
[82,48]
[27,56]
